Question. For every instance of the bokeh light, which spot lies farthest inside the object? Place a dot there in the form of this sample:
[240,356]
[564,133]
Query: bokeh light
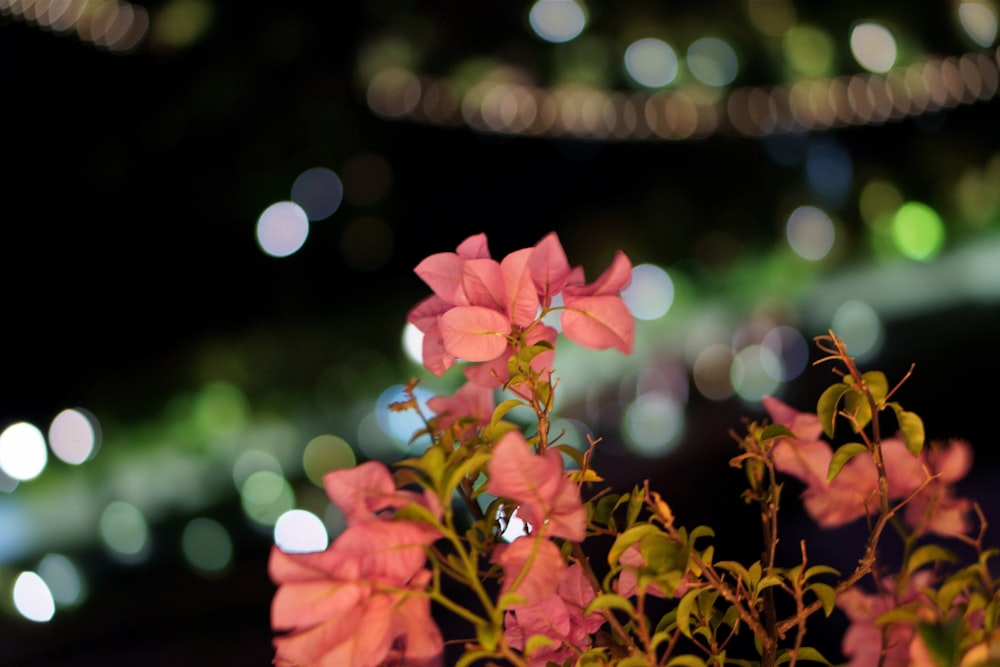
[653,424]
[790,350]
[74,435]
[32,598]
[318,191]
[752,372]
[979,20]
[23,453]
[282,229]
[917,231]
[650,294]
[712,371]
[651,62]
[125,531]
[873,46]
[325,453]
[810,232]
[265,496]
[251,461]
[413,343]
[712,61]
[557,21]
[300,531]
[207,545]
[808,50]
[860,327]
[63,578]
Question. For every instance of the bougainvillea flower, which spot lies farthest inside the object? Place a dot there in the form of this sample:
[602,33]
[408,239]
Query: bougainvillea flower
[545,497]
[479,304]
[359,601]
[368,488]
[862,642]
[924,480]
[471,402]
[559,617]
[532,567]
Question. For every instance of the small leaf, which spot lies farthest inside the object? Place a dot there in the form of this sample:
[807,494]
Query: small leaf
[827,596]
[767,582]
[504,408]
[536,642]
[820,569]
[843,454]
[772,431]
[685,661]
[609,601]
[877,385]
[628,538]
[736,568]
[684,609]
[901,614]
[828,404]
[807,653]
[488,635]
[928,553]
[912,428]
[856,403]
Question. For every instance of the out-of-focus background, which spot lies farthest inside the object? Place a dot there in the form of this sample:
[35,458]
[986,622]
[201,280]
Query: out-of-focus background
[211,212]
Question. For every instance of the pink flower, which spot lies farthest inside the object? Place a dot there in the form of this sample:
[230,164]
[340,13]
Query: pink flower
[479,304]
[546,499]
[471,405]
[862,642]
[559,617]
[851,494]
[362,601]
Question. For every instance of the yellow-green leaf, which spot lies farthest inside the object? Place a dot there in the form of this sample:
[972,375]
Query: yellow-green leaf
[828,404]
[843,454]
[912,428]
[628,538]
[685,661]
[684,609]
[609,601]
[503,409]
[536,642]
[827,596]
[928,553]
[772,431]
[877,385]
[806,653]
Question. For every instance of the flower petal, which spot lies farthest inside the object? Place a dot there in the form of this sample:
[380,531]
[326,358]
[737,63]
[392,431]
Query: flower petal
[598,322]
[474,333]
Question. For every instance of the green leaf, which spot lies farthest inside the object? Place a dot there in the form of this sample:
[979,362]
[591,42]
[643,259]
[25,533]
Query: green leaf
[628,538]
[536,642]
[901,614]
[877,385]
[637,660]
[912,428]
[843,454]
[820,569]
[736,568]
[928,553]
[684,609]
[468,466]
[470,657]
[610,601]
[827,406]
[856,403]
[488,635]
[806,653]
[685,661]
[772,431]
[767,582]
[827,596]
[503,409]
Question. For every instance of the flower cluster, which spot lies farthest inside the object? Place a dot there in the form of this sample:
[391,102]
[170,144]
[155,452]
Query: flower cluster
[572,582]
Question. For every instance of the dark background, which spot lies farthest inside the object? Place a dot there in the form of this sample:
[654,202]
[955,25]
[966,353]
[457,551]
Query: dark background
[131,183]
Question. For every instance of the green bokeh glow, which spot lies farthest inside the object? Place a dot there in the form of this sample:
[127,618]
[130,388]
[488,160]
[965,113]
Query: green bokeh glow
[917,231]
